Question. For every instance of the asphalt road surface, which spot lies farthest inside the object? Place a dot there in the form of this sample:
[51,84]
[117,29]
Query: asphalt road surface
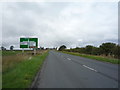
[68,71]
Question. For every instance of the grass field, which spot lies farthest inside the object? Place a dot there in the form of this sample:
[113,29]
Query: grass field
[20,70]
[100,58]
[7,53]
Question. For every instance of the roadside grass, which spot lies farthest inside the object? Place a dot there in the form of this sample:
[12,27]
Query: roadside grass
[10,61]
[99,58]
[6,53]
[22,74]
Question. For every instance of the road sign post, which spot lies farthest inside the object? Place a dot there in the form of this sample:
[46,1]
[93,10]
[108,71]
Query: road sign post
[34,51]
[22,50]
[29,43]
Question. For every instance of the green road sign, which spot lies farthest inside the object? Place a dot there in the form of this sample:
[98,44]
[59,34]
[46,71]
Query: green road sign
[28,42]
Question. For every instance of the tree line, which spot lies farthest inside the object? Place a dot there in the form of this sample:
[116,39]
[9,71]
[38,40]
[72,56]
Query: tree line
[40,48]
[3,48]
[105,49]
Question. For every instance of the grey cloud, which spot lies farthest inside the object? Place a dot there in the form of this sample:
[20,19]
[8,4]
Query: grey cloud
[55,24]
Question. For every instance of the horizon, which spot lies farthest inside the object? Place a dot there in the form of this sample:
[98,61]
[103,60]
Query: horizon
[55,47]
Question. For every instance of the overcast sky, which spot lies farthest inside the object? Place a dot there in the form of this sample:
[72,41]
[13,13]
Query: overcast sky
[56,23]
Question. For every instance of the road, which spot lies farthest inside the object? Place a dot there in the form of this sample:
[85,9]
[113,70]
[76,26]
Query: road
[68,71]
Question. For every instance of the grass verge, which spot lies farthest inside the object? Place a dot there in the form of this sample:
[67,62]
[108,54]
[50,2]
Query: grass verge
[23,74]
[6,53]
[100,58]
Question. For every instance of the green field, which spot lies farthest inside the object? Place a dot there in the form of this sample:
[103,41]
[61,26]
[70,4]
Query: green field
[6,53]
[20,72]
[100,58]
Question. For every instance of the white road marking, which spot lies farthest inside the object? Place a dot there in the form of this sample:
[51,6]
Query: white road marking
[68,58]
[90,68]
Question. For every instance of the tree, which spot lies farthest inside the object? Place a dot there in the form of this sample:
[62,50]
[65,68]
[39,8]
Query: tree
[106,48]
[116,51]
[88,49]
[3,48]
[41,48]
[11,47]
[95,51]
[63,47]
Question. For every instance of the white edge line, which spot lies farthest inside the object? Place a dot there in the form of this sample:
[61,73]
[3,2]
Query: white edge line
[90,68]
[68,58]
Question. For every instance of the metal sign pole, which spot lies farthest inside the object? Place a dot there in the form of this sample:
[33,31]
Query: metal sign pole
[22,50]
[34,51]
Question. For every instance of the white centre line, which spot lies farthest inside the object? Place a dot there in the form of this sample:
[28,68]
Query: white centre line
[68,58]
[90,68]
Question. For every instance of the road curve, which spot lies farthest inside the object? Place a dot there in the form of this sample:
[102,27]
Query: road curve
[68,71]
